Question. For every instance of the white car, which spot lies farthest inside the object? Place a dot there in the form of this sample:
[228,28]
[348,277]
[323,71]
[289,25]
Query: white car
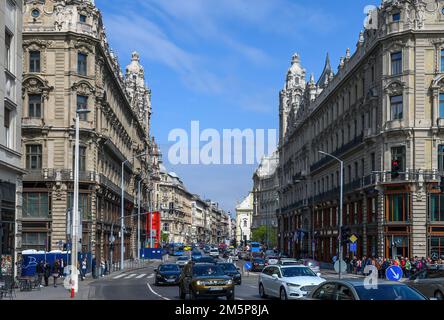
[181,261]
[214,253]
[287,282]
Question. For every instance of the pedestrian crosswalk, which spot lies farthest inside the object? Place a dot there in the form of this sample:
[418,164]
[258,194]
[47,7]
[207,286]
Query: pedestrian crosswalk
[133,276]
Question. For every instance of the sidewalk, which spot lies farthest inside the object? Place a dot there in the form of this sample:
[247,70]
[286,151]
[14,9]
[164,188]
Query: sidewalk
[61,293]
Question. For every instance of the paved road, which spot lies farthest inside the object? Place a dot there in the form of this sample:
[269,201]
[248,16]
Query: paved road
[139,285]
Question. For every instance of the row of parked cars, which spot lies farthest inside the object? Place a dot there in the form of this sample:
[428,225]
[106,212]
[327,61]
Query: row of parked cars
[292,280]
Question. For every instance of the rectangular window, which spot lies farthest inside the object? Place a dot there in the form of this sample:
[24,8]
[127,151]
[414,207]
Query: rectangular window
[396,59]
[397,207]
[36,205]
[8,53]
[356,171]
[82,158]
[8,128]
[34,61]
[437,246]
[34,240]
[81,63]
[82,104]
[442,60]
[373,74]
[441,157]
[398,154]
[436,207]
[396,107]
[371,210]
[82,18]
[84,204]
[441,105]
[373,161]
[396,17]
[34,156]
[35,106]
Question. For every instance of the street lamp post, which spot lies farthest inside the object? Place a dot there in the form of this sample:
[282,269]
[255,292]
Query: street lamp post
[341,190]
[122,222]
[138,219]
[75,212]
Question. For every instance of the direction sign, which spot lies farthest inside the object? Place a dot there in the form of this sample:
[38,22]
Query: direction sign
[393,273]
[247,265]
[353,247]
[343,266]
[353,238]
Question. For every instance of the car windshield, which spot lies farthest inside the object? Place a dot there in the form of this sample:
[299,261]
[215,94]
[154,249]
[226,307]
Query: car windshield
[206,259]
[228,267]
[207,270]
[259,260]
[169,267]
[388,292]
[297,272]
[182,258]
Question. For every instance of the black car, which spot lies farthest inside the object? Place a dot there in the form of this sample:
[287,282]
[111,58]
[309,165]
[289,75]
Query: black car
[231,270]
[257,264]
[167,273]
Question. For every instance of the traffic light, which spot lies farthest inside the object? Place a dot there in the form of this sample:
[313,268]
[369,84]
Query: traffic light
[441,184]
[345,234]
[395,169]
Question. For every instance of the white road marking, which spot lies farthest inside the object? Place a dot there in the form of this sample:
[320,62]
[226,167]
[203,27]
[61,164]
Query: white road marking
[120,276]
[141,276]
[239,299]
[151,289]
[131,275]
[151,276]
[251,286]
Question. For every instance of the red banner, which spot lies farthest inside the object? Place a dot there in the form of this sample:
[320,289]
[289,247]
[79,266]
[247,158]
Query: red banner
[155,218]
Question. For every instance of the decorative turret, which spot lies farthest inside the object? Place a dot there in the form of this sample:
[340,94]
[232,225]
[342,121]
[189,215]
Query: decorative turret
[324,78]
[139,94]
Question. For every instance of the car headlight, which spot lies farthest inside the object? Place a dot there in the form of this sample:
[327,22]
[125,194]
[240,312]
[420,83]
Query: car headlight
[293,285]
[199,283]
[230,282]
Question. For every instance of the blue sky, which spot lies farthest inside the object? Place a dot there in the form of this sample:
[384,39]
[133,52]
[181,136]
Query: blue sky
[223,63]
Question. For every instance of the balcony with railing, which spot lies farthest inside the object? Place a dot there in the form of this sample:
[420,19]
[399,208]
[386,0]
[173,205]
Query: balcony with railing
[338,152]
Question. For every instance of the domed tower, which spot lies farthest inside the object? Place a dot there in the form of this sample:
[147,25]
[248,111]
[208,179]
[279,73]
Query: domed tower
[291,95]
[139,94]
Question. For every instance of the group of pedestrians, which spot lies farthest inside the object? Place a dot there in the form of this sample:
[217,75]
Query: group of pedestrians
[44,271]
[409,266]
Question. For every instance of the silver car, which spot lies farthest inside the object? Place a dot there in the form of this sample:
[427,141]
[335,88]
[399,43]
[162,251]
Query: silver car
[181,261]
[430,282]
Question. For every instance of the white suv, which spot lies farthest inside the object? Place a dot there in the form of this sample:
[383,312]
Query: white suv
[214,253]
[287,281]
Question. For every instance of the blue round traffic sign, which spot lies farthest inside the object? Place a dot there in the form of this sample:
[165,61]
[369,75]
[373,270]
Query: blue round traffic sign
[247,265]
[393,273]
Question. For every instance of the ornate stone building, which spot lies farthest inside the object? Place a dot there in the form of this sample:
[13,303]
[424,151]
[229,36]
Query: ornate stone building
[68,65]
[384,108]
[244,217]
[265,203]
[10,133]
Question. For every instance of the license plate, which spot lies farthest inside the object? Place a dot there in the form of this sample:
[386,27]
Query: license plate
[216,288]
[171,280]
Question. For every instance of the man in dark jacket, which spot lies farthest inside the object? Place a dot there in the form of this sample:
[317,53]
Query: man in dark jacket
[47,273]
[40,270]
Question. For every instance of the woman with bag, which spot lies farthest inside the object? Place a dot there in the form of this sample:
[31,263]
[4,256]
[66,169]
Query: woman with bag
[55,271]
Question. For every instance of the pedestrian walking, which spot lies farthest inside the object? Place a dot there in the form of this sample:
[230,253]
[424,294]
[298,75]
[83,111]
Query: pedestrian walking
[40,270]
[408,267]
[102,267]
[55,271]
[61,268]
[93,268]
[47,273]
[83,269]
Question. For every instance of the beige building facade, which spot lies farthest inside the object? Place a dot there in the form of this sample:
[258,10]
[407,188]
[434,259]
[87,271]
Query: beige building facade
[383,110]
[68,65]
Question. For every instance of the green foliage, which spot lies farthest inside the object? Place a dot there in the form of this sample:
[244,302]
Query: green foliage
[260,235]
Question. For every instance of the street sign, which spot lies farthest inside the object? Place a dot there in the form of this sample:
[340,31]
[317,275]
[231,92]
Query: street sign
[353,238]
[247,265]
[353,247]
[393,273]
[343,266]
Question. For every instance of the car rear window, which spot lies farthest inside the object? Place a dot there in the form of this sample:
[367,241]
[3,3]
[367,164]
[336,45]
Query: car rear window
[388,292]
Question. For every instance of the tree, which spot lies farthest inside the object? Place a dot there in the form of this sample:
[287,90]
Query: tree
[259,234]
[164,236]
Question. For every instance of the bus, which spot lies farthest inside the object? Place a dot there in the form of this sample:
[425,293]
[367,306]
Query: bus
[255,247]
[176,249]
